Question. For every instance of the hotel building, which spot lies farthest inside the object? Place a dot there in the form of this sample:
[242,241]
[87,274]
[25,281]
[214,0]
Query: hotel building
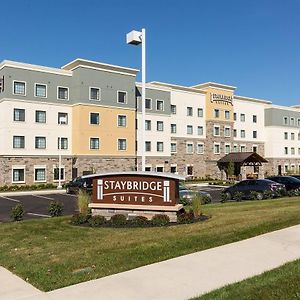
[90,114]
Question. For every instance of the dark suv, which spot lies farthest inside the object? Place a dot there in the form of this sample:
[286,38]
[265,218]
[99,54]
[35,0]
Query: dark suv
[80,183]
[291,183]
[257,185]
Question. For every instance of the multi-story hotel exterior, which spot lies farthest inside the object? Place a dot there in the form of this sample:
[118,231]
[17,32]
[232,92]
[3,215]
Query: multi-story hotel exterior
[90,114]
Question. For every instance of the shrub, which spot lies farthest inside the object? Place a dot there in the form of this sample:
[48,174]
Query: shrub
[140,221]
[185,218]
[224,197]
[96,221]
[237,196]
[160,220]
[196,205]
[83,202]
[268,194]
[78,219]
[253,195]
[183,201]
[55,209]
[292,193]
[118,220]
[17,213]
[205,199]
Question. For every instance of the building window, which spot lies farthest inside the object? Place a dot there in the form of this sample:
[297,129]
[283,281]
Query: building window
[254,149]
[173,128]
[298,121]
[147,146]
[148,103]
[292,121]
[173,109]
[286,150]
[254,118]
[216,130]
[94,118]
[189,111]
[40,90]
[94,143]
[122,97]
[234,116]
[292,151]
[200,148]
[234,133]
[63,93]
[159,168]
[18,142]
[200,130]
[227,131]
[173,147]
[160,105]
[147,124]
[243,118]
[148,168]
[285,121]
[189,148]
[216,113]
[160,146]
[40,142]
[173,169]
[243,133]
[40,116]
[63,145]
[122,144]
[235,148]
[40,174]
[122,120]
[292,136]
[19,114]
[299,154]
[160,126]
[20,88]
[62,118]
[189,129]
[216,148]
[254,134]
[56,173]
[18,175]
[243,148]
[285,135]
[227,148]
[227,114]
[94,93]
[200,112]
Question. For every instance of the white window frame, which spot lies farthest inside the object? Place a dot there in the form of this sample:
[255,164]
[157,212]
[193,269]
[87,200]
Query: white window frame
[175,143]
[242,114]
[149,122]
[202,112]
[186,147]
[94,137]
[187,131]
[175,109]
[243,130]
[162,146]
[126,144]
[172,166]
[253,147]
[235,146]
[160,166]
[37,83]
[227,127]
[189,109]
[150,146]
[286,152]
[225,148]
[148,166]
[150,103]
[90,93]
[200,126]
[64,173]
[227,111]
[64,87]
[43,137]
[202,148]
[157,127]
[293,148]
[25,88]
[122,115]
[243,146]
[292,123]
[126,97]
[90,114]
[163,105]
[35,121]
[217,144]
[287,118]
[18,167]
[173,132]
[40,167]
[217,126]
[217,110]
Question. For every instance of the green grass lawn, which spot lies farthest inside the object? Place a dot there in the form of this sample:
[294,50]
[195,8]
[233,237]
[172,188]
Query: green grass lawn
[50,253]
[282,283]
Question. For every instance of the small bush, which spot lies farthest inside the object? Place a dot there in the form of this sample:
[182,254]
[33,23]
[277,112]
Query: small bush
[118,220]
[237,196]
[83,202]
[185,218]
[140,221]
[224,197]
[205,199]
[78,219]
[17,213]
[253,195]
[55,209]
[183,201]
[196,205]
[160,220]
[292,193]
[268,194]
[96,221]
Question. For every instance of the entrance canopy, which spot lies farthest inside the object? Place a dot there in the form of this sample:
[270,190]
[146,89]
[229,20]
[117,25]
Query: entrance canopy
[242,159]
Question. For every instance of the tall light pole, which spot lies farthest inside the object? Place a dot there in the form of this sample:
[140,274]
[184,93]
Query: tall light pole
[59,187]
[136,38]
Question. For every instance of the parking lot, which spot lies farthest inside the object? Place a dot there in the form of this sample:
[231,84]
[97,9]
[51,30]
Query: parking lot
[35,206]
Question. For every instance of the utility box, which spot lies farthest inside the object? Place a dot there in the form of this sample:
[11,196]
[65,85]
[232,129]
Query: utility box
[134,37]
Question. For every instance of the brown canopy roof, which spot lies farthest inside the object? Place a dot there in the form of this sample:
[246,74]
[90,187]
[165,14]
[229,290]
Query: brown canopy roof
[242,158]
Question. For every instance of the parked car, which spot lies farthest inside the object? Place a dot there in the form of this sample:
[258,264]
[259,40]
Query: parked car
[80,183]
[186,195]
[257,185]
[291,183]
[296,176]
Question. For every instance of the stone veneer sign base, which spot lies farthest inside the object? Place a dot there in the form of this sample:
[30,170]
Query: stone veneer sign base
[136,194]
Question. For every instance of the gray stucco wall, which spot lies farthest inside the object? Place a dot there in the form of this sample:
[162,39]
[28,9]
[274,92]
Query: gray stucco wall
[274,117]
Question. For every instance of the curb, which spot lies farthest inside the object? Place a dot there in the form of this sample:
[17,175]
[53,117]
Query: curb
[35,192]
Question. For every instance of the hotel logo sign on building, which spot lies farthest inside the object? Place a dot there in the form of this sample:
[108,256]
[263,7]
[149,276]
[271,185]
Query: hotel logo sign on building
[221,99]
[135,190]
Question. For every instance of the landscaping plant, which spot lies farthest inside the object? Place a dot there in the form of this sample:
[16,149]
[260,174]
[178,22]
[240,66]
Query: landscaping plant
[55,209]
[140,221]
[17,213]
[118,220]
[253,195]
[160,220]
[196,205]
[83,202]
[96,221]
[237,196]
[79,219]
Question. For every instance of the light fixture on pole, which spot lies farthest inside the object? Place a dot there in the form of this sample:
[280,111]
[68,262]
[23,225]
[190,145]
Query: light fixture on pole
[59,187]
[136,38]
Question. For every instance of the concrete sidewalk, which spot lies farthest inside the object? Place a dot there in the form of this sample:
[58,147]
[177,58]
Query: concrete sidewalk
[190,275]
[34,192]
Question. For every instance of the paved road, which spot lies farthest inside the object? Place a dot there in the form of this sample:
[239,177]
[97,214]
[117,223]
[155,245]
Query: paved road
[35,206]
[215,191]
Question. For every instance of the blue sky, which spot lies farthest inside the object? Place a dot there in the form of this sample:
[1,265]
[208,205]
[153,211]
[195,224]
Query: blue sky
[251,44]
